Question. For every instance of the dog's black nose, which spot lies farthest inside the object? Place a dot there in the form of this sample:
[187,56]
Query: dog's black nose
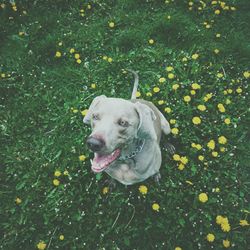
[95,144]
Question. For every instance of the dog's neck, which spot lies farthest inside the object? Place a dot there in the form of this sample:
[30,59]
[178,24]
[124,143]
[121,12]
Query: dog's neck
[132,149]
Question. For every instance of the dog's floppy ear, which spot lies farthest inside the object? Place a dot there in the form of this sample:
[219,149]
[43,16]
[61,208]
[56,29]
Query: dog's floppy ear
[146,118]
[92,106]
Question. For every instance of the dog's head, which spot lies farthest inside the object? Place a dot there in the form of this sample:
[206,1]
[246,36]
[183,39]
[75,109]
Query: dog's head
[115,123]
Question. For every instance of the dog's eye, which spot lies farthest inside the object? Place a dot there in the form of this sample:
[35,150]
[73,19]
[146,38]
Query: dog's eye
[96,117]
[123,123]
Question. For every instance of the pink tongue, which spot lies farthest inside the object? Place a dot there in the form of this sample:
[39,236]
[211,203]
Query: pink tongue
[101,162]
[101,158]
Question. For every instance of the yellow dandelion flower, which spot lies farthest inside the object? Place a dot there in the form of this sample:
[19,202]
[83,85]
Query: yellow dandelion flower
[246,74]
[57,173]
[151,41]
[160,102]
[198,146]
[218,35]
[222,140]
[184,59]
[77,56]
[203,197]
[219,219]
[65,172]
[71,51]
[216,51]
[61,237]
[184,160]
[215,154]
[137,94]
[172,121]
[84,112]
[156,207]
[178,248]
[196,120]
[217,12]
[211,144]
[169,68]
[18,200]
[201,107]
[175,86]
[201,158]
[105,190]
[56,182]
[82,157]
[195,56]
[187,98]
[227,121]
[58,54]
[220,75]
[111,24]
[181,166]
[208,96]
[41,245]
[78,61]
[148,94]
[226,243]
[162,80]
[175,131]
[239,90]
[195,86]
[171,76]
[210,237]
[222,149]
[176,157]
[93,85]
[110,60]
[225,227]
[105,58]
[244,223]
[156,89]
[167,110]
[221,107]
[143,189]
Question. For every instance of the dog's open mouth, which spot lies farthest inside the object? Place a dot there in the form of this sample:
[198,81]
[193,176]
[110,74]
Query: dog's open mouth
[101,162]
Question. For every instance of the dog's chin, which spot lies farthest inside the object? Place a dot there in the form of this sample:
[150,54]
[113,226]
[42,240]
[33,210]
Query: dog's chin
[102,161]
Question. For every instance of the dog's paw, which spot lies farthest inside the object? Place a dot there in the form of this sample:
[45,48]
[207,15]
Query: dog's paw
[170,148]
[157,178]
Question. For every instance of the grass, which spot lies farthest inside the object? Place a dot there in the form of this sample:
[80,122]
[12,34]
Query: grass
[43,96]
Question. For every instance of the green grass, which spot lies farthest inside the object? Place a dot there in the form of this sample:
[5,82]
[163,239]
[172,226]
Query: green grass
[40,133]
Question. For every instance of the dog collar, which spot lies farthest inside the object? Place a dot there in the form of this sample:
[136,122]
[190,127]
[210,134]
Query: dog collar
[140,144]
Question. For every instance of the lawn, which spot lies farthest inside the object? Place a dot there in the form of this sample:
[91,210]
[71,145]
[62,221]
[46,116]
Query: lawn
[193,63]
